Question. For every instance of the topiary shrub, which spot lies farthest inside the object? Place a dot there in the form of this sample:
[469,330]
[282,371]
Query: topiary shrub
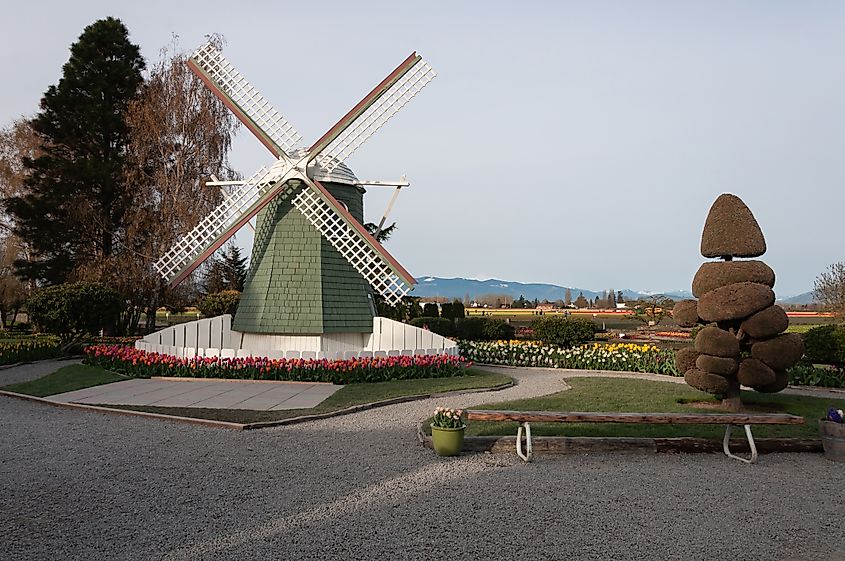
[483,329]
[219,303]
[431,310]
[825,344]
[452,310]
[441,326]
[563,331]
[74,310]
[471,329]
[498,329]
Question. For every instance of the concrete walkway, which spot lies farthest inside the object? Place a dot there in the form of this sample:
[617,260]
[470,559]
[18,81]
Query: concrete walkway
[210,394]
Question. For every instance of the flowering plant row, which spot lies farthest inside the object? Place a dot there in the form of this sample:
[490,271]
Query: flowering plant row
[617,356]
[29,349]
[141,364]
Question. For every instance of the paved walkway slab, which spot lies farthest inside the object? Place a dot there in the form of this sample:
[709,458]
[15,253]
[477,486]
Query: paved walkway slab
[213,394]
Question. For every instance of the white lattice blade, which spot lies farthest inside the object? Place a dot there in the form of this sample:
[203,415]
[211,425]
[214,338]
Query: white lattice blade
[227,78]
[375,269]
[376,115]
[217,223]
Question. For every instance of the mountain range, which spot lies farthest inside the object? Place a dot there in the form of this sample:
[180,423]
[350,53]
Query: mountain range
[459,288]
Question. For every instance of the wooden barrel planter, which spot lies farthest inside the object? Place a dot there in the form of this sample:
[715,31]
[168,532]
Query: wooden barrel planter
[833,440]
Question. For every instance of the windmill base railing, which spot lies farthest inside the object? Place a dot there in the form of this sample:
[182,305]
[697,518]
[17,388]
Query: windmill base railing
[214,337]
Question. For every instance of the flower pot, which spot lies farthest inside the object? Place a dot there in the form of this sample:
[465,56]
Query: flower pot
[833,440]
[447,442]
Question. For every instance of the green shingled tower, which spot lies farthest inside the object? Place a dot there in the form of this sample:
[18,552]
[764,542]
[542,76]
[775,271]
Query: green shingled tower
[298,284]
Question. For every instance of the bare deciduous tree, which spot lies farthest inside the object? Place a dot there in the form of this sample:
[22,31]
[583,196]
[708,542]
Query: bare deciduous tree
[829,288]
[180,135]
[17,142]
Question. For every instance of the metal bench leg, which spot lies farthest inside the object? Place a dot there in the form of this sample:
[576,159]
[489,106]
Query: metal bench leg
[726,445]
[527,455]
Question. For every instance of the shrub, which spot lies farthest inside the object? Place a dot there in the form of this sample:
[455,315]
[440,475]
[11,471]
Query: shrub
[498,329]
[73,310]
[219,303]
[431,310]
[805,374]
[563,331]
[483,329]
[441,326]
[471,328]
[133,362]
[452,310]
[825,344]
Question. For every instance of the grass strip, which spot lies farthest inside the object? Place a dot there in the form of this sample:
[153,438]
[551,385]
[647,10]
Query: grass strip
[642,396]
[66,379]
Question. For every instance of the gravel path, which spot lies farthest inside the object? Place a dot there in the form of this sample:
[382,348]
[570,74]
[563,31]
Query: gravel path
[89,486]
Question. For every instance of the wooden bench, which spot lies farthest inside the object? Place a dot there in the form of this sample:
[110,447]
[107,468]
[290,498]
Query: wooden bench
[525,418]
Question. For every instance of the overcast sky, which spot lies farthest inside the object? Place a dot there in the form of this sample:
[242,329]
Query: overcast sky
[576,143]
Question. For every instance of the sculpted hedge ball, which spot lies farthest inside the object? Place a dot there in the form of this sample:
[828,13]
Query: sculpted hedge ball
[744,342]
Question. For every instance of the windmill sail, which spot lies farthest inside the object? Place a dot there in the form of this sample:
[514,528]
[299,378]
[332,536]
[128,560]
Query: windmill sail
[218,226]
[359,248]
[372,112]
[271,128]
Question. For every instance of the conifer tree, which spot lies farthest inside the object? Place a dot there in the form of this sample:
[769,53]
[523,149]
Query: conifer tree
[76,200]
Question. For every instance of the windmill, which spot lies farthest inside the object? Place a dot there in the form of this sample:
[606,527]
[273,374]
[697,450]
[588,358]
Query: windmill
[314,266]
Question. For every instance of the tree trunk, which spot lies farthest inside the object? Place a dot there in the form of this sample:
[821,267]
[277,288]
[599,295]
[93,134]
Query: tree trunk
[731,401]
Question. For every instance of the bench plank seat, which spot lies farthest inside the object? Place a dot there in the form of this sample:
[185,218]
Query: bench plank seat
[525,418]
[640,418]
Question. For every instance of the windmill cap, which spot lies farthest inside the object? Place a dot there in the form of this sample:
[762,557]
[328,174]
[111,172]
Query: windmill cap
[340,174]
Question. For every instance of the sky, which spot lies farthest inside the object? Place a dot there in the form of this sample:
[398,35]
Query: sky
[574,143]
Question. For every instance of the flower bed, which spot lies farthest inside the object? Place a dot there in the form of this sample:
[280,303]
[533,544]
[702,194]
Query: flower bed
[29,349]
[617,356]
[141,364]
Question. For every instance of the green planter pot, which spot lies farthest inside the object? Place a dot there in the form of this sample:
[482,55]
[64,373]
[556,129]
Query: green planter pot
[447,442]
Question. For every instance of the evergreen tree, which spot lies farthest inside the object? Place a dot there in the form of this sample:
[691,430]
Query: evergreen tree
[611,298]
[214,279]
[567,297]
[581,302]
[73,211]
[234,268]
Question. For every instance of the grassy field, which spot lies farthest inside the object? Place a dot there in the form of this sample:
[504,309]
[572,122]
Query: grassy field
[608,394]
[78,376]
[66,379]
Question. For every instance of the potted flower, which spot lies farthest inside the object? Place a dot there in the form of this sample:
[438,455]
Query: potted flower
[832,429]
[447,431]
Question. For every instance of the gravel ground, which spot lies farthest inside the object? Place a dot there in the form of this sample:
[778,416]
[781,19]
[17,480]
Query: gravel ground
[88,486]
[27,372]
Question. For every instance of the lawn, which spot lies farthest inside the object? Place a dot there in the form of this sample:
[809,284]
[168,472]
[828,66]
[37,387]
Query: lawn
[66,379]
[78,376]
[347,396]
[609,394]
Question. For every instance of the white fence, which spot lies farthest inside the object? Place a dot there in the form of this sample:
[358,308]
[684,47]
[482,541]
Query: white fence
[214,337]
